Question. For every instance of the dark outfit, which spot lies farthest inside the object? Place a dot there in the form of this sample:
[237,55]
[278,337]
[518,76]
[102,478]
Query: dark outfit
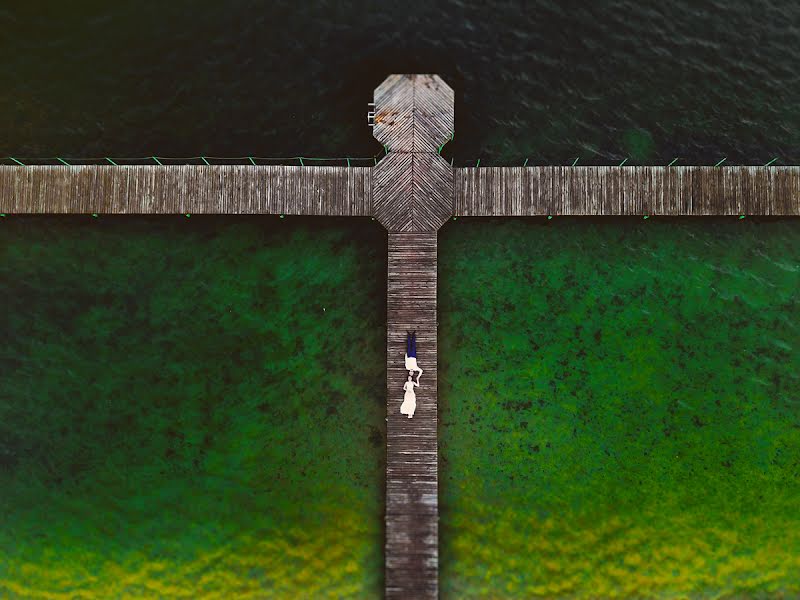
[411,344]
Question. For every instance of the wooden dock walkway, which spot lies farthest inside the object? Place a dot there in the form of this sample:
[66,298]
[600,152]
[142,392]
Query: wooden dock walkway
[412,192]
[374,191]
[411,444]
[412,197]
[196,189]
[532,191]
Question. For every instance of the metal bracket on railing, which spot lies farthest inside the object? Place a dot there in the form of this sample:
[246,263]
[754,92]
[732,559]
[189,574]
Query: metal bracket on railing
[371,114]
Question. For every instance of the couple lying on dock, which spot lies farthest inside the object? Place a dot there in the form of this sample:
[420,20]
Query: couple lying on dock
[410,399]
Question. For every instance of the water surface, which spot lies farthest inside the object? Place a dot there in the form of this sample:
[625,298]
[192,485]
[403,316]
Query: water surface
[543,80]
[191,408]
[619,408]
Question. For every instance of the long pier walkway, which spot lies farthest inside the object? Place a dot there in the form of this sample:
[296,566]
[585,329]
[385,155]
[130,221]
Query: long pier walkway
[411,451]
[412,191]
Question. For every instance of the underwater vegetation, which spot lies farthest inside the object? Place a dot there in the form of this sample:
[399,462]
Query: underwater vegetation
[180,418]
[619,408]
[194,408]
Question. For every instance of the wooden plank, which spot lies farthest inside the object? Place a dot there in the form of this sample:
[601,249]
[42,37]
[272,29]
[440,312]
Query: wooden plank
[414,113]
[411,444]
[518,191]
[201,189]
[412,191]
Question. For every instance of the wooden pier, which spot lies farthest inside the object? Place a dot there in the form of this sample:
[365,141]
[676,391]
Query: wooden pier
[412,197]
[411,444]
[699,191]
[176,189]
[412,192]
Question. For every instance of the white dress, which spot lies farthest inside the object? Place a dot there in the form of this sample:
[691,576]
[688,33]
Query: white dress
[409,400]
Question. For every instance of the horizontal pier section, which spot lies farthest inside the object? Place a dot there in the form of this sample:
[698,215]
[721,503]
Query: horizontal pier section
[412,519]
[531,191]
[174,189]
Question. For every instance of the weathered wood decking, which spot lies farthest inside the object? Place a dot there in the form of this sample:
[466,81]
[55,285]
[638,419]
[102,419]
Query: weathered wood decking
[412,517]
[412,196]
[414,113]
[413,186]
[530,191]
[379,191]
[215,189]
[412,191]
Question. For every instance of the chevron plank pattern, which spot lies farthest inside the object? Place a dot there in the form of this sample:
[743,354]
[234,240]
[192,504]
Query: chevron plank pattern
[412,192]
[414,113]
[216,189]
[528,191]
[412,187]
[393,191]
[434,113]
[394,113]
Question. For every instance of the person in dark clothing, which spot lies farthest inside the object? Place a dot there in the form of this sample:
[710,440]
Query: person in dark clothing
[411,354]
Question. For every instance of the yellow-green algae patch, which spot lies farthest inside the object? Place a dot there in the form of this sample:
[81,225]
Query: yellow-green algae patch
[620,415]
[191,408]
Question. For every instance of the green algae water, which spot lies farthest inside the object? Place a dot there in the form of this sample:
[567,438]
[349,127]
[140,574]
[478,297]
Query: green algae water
[619,405]
[191,408]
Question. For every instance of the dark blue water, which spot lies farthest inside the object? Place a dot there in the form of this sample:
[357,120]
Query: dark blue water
[549,81]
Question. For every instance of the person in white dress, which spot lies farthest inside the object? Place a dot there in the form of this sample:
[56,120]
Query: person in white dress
[410,399]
